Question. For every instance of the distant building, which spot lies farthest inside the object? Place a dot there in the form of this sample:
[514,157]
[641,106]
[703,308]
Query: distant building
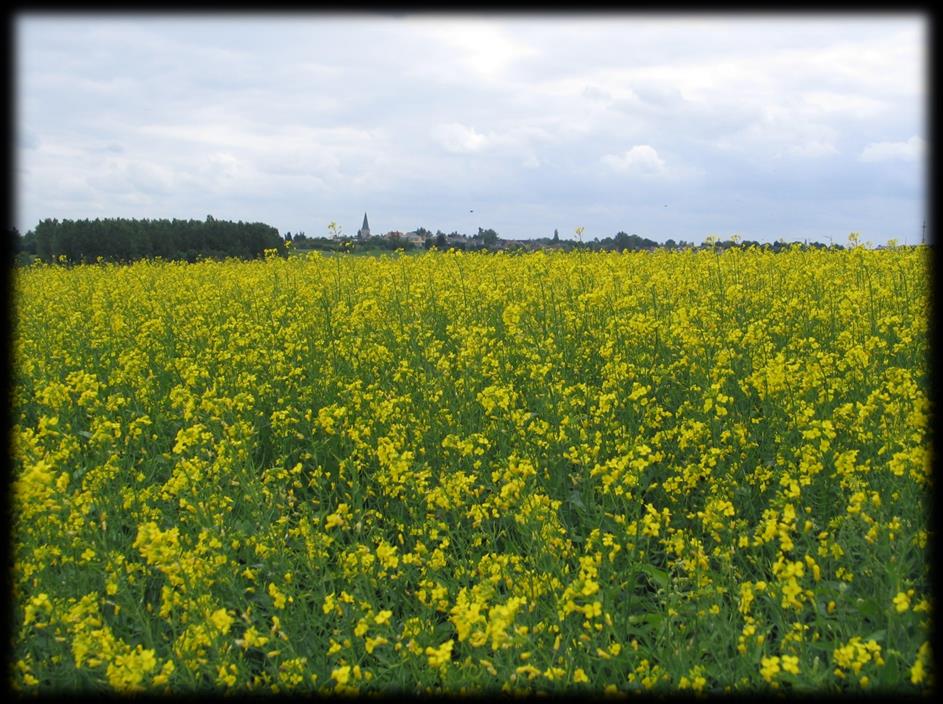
[411,237]
[364,232]
[414,238]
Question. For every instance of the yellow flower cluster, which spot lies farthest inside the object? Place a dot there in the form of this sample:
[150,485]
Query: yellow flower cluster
[473,472]
[856,654]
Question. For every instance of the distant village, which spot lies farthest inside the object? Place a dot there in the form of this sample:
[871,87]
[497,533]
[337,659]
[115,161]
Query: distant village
[486,239]
[125,240]
[489,240]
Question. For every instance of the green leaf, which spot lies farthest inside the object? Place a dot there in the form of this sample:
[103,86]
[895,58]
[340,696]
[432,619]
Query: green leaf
[651,619]
[826,647]
[890,674]
[868,608]
[658,576]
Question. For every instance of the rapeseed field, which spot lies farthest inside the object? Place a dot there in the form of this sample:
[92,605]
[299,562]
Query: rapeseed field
[474,472]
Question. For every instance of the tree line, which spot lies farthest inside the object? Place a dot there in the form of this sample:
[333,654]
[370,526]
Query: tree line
[489,240]
[124,240]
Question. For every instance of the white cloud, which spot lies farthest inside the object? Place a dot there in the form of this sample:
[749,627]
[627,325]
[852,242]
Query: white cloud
[911,150]
[813,148]
[127,175]
[640,160]
[460,139]
[306,119]
[755,95]
[845,104]
[777,131]
[481,46]
[531,162]
[596,93]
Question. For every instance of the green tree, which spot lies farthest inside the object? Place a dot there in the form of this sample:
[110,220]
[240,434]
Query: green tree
[120,239]
[488,237]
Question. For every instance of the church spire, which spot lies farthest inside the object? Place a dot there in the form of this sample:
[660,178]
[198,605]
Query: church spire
[364,232]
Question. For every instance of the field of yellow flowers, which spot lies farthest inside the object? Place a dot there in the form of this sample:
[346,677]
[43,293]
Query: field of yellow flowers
[474,472]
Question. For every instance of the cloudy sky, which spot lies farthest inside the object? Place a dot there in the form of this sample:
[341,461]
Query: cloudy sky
[675,126]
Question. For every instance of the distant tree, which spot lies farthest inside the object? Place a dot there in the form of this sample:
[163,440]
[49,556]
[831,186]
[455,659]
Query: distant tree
[25,243]
[23,246]
[45,231]
[120,239]
[423,232]
[488,237]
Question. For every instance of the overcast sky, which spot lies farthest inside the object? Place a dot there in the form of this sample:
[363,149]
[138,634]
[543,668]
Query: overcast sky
[674,126]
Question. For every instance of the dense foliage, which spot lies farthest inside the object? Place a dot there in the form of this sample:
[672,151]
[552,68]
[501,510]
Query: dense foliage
[668,470]
[124,240]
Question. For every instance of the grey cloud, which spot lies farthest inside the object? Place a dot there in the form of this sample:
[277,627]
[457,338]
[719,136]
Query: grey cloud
[107,149]
[656,95]
[596,93]
[27,139]
[300,119]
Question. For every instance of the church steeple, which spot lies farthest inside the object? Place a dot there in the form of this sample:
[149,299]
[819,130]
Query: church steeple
[364,232]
